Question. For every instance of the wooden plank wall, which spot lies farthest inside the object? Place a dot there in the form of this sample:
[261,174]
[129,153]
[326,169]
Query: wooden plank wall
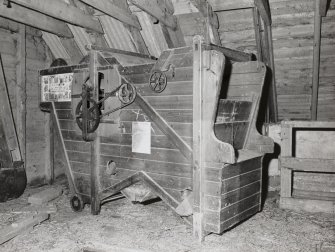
[37,57]
[292,28]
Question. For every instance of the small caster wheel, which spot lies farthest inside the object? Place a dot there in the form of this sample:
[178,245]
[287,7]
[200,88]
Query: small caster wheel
[76,203]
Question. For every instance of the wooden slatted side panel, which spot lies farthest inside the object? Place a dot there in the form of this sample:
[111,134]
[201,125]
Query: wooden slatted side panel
[246,80]
[239,196]
[166,165]
[78,151]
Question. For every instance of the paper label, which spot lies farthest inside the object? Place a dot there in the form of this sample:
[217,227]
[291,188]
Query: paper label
[56,87]
[141,137]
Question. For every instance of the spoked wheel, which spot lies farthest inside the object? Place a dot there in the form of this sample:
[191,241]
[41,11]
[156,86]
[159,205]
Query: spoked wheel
[158,81]
[93,115]
[127,93]
[77,203]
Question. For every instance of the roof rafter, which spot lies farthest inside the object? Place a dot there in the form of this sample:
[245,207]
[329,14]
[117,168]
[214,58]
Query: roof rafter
[159,9]
[212,20]
[63,11]
[114,11]
[33,18]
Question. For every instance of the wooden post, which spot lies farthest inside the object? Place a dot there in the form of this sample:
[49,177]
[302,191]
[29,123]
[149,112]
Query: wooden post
[257,27]
[263,34]
[316,59]
[198,180]
[21,95]
[95,145]
[273,115]
[51,174]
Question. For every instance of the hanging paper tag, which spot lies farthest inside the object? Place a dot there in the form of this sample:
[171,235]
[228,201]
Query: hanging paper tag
[141,137]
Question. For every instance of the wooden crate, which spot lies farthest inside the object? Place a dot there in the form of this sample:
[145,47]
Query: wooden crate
[307,147]
[205,153]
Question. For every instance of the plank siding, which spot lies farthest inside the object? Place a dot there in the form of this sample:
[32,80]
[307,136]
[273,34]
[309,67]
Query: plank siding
[292,31]
[37,56]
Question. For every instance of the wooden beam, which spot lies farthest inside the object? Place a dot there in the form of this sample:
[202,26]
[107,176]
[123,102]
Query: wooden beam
[21,95]
[138,40]
[73,50]
[231,54]
[207,11]
[159,10]
[173,38]
[316,59]
[264,10]
[135,33]
[112,10]
[33,18]
[263,35]
[324,6]
[121,52]
[63,11]
[219,5]
[308,164]
[273,104]
[9,232]
[6,116]
[212,21]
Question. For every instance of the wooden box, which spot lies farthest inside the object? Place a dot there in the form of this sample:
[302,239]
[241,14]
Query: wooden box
[194,144]
[307,163]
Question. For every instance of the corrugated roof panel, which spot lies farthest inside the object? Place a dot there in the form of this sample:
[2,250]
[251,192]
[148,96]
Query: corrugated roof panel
[116,35]
[81,37]
[152,34]
[55,45]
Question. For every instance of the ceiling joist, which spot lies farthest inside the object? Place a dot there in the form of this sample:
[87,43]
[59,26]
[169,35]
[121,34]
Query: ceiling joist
[63,11]
[160,10]
[114,11]
[33,18]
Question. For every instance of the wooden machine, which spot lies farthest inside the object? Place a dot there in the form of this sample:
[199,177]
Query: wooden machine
[182,128]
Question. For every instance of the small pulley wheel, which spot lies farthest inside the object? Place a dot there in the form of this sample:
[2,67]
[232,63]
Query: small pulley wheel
[93,115]
[77,203]
[158,81]
[126,93]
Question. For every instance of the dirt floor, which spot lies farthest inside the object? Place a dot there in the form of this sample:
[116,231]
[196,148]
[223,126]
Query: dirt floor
[126,227]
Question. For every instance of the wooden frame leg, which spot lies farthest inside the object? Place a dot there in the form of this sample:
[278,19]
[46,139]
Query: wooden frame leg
[285,182]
